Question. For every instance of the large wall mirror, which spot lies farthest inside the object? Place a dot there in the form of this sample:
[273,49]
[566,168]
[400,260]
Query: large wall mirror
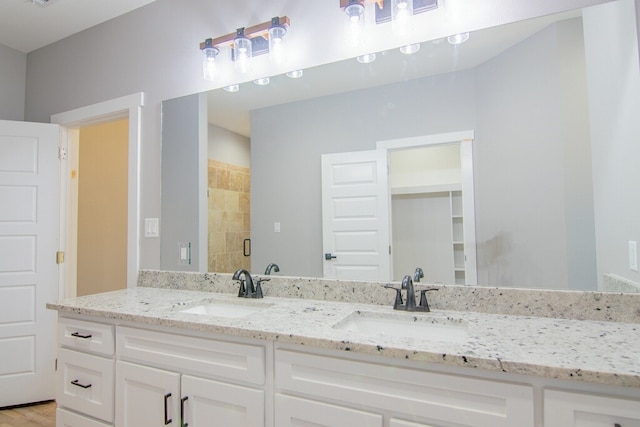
[553,104]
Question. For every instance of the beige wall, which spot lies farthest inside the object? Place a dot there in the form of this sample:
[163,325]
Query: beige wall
[102,207]
[229,216]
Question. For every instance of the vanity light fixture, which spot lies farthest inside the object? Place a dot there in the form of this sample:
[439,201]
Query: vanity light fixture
[458,38]
[366,59]
[383,8]
[246,43]
[295,74]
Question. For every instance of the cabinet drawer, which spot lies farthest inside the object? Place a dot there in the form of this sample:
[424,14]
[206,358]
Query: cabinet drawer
[86,383]
[86,336]
[219,359]
[292,412]
[426,395]
[66,418]
[562,408]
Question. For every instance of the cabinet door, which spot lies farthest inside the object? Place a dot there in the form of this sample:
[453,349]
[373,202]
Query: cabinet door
[296,412]
[563,409]
[229,405]
[146,396]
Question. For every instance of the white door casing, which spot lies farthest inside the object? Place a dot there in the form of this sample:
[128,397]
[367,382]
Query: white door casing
[465,139]
[29,216]
[355,212]
[129,106]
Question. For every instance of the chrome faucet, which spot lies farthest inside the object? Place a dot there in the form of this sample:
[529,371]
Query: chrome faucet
[407,284]
[410,304]
[418,274]
[273,266]
[247,289]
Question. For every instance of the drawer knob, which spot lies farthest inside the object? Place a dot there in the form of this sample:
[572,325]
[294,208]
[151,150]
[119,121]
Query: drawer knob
[77,383]
[79,335]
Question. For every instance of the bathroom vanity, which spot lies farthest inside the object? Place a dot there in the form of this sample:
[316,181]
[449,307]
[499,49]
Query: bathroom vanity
[151,356]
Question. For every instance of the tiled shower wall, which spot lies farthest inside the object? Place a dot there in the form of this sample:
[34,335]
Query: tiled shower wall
[229,216]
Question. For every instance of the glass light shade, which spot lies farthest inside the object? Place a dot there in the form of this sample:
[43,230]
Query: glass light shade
[401,13]
[277,44]
[262,81]
[458,38]
[295,74]
[354,23]
[410,49]
[366,59]
[209,62]
[232,88]
[243,51]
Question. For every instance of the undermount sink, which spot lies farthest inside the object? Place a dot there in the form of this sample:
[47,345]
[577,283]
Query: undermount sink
[229,309]
[423,326]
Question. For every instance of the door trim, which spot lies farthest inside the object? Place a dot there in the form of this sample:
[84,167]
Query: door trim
[465,139]
[130,107]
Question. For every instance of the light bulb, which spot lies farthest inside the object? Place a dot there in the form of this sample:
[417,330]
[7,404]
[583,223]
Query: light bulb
[410,49]
[243,51]
[355,23]
[262,81]
[295,74]
[458,38]
[209,62]
[366,59]
[401,12]
[277,45]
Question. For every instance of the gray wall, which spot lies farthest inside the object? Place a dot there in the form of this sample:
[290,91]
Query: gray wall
[614,96]
[184,157]
[288,140]
[13,76]
[534,206]
[229,147]
[154,49]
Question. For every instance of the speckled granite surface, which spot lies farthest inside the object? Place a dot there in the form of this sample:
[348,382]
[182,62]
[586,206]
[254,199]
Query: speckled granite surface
[592,351]
[605,306]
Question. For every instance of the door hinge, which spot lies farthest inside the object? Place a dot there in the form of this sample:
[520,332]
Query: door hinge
[55,365]
[59,257]
[62,153]
[389,249]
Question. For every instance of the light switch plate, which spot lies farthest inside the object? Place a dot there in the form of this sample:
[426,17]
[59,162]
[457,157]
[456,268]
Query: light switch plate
[151,227]
[633,255]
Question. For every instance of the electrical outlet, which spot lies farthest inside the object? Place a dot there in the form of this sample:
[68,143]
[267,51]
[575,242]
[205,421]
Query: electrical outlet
[276,227]
[184,253]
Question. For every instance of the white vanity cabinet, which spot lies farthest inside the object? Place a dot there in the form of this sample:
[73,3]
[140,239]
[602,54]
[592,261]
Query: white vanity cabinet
[331,391]
[85,374]
[176,380]
[568,408]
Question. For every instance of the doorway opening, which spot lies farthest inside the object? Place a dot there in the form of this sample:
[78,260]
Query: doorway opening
[74,123]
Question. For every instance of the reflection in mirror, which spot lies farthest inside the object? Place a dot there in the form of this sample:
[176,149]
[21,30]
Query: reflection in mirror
[553,106]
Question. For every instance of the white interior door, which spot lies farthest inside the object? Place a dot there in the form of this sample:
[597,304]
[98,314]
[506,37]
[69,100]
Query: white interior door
[355,216]
[29,213]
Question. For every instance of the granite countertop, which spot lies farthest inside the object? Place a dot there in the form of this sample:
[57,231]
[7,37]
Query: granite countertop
[583,350]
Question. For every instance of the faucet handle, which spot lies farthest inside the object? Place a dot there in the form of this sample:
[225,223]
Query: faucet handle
[242,291]
[259,287]
[423,298]
[398,302]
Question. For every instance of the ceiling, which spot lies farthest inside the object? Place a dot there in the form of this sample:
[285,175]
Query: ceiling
[25,26]
[232,110]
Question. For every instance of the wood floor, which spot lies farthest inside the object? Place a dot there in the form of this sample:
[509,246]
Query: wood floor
[36,415]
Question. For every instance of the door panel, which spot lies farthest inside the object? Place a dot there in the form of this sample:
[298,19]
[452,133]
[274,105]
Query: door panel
[29,220]
[355,216]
